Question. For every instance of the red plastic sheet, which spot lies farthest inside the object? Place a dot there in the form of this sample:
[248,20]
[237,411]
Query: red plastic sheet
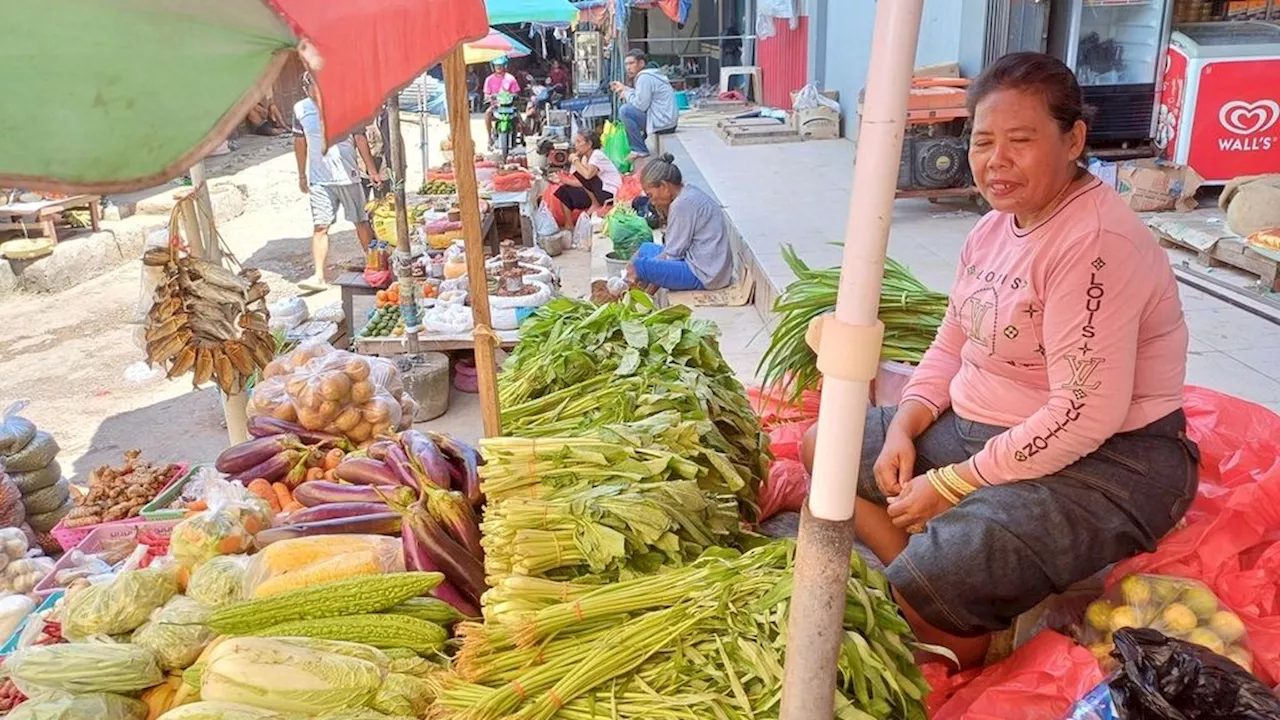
[373,47]
[786,422]
[1231,541]
[1040,681]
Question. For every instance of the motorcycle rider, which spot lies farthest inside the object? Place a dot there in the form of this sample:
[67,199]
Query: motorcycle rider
[499,81]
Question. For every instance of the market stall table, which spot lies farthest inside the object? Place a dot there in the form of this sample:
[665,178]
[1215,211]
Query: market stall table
[353,284]
[46,213]
[431,342]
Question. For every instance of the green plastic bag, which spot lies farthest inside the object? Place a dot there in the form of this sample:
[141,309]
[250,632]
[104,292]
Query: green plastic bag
[628,231]
[616,146]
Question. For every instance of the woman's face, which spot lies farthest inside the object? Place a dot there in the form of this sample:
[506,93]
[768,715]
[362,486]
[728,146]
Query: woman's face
[661,194]
[581,145]
[1020,158]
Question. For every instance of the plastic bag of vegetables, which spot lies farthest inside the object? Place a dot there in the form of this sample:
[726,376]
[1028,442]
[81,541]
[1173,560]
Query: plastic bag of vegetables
[205,710]
[118,606]
[83,668]
[227,528]
[219,581]
[287,677]
[175,633]
[65,706]
[304,561]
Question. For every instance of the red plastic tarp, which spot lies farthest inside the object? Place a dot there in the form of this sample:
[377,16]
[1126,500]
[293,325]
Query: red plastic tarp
[371,48]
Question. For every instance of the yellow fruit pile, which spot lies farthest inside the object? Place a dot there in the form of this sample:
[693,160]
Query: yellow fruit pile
[1179,608]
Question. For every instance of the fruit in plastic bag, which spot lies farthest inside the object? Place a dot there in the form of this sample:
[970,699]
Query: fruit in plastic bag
[1163,678]
[219,581]
[12,510]
[118,606]
[175,633]
[1178,607]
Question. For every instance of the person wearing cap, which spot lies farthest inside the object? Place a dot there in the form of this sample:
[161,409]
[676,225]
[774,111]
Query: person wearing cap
[331,178]
[499,81]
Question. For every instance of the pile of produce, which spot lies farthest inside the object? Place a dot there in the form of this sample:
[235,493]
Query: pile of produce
[338,393]
[207,320]
[438,186]
[120,493]
[703,641]
[911,314]
[385,321]
[33,493]
[1180,608]
[580,366]
[22,567]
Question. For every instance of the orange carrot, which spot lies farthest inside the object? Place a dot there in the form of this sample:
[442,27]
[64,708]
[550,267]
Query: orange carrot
[330,476]
[282,494]
[315,474]
[262,489]
[294,506]
[332,459]
[198,505]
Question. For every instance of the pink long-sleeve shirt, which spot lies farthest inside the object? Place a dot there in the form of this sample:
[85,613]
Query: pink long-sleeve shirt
[1066,332]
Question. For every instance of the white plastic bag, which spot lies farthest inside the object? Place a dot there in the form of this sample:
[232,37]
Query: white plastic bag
[582,231]
[288,313]
[544,223]
[808,98]
[447,319]
[767,10]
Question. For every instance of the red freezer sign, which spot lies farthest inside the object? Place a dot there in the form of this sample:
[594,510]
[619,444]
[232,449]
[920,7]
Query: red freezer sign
[1172,95]
[1237,123]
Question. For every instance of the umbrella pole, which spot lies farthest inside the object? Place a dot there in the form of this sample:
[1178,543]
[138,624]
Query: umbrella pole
[826,530]
[464,167]
[423,116]
[403,257]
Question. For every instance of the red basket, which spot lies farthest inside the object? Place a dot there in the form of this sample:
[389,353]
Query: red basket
[68,538]
[154,534]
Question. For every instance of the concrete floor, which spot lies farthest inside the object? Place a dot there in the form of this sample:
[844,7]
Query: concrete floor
[798,194]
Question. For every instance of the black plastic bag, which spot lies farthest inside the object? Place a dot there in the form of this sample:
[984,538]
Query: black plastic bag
[1166,679]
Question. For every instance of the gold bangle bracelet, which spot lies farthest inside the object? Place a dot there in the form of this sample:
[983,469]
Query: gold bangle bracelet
[957,483]
[940,485]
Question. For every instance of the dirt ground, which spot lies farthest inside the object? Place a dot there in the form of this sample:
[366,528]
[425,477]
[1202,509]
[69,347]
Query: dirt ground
[74,358]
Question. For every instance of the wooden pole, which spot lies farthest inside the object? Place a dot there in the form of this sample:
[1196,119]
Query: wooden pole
[404,258]
[464,168]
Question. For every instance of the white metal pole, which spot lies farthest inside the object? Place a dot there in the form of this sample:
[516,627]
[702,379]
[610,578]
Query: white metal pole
[423,117]
[826,531]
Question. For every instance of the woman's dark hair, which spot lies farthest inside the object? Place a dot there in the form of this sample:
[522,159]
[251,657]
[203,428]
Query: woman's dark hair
[592,137]
[1038,73]
[659,170]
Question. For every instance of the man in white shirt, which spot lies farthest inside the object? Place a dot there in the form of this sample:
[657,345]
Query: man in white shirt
[331,178]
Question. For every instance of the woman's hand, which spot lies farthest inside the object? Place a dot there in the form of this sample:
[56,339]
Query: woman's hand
[918,503]
[896,463]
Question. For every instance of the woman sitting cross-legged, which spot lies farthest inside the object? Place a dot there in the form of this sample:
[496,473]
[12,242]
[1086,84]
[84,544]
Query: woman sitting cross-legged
[595,178]
[695,254]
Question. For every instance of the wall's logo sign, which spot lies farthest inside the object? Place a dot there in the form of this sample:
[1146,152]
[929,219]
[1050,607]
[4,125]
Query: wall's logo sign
[1248,120]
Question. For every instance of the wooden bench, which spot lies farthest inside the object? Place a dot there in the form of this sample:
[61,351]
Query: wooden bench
[46,213]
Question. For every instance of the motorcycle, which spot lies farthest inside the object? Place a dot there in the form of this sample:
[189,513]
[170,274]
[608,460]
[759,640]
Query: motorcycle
[543,98]
[506,124]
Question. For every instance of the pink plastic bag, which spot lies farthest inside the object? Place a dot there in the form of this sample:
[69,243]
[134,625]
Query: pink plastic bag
[784,490]
[1039,681]
[1231,541]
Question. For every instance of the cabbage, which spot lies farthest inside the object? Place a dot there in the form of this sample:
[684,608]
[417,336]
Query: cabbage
[221,711]
[288,678]
[54,705]
[219,581]
[403,695]
[175,633]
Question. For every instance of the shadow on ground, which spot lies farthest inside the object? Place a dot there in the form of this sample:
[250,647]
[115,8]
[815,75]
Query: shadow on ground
[181,429]
[290,257]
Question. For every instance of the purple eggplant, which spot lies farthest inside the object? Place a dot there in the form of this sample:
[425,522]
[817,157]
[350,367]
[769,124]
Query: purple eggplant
[428,457]
[387,523]
[363,471]
[459,566]
[416,558]
[470,460]
[265,425]
[378,450]
[333,511]
[457,517]
[239,458]
[400,466]
[272,469]
[322,492]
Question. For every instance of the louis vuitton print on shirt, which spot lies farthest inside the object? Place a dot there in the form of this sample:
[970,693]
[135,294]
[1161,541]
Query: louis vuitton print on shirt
[1066,332]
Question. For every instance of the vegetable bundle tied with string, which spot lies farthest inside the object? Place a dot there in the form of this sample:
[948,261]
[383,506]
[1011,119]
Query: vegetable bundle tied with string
[911,314]
[703,641]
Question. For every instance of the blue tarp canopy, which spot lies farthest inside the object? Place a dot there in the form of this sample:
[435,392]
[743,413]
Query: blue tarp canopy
[529,11]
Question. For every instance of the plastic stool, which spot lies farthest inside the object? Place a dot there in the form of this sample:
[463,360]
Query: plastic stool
[753,71]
